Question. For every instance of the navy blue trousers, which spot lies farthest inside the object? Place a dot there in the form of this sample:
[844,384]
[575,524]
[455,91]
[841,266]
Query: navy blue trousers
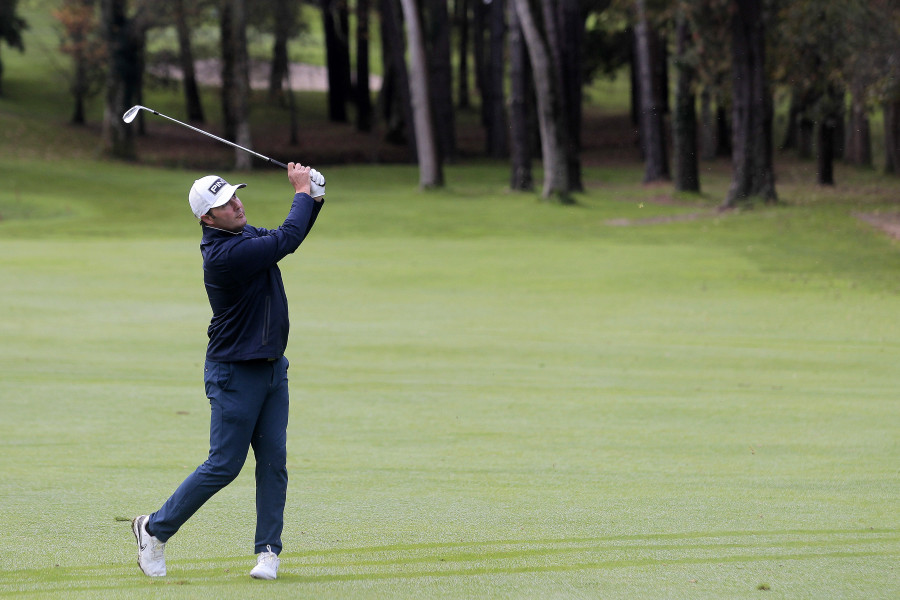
[249,402]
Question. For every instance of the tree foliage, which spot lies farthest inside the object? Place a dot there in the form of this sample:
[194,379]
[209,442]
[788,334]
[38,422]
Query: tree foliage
[82,43]
[11,28]
[819,51]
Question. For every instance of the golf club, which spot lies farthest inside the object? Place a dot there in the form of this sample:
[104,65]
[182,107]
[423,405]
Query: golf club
[132,112]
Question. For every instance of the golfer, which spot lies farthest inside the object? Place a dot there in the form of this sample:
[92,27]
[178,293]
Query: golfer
[245,372]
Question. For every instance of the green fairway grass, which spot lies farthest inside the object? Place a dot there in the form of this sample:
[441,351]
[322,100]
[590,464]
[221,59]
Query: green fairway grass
[492,396]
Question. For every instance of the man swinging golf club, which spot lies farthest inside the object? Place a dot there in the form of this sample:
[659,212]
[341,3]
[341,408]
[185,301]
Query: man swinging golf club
[245,372]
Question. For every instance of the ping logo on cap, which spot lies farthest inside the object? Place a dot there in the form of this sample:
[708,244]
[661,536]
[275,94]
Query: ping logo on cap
[217,186]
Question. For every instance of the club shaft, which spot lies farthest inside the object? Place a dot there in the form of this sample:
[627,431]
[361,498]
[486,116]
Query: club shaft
[223,140]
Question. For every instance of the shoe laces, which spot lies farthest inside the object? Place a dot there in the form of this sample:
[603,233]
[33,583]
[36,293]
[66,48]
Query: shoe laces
[267,558]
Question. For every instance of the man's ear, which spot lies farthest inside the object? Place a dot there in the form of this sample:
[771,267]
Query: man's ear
[208,219]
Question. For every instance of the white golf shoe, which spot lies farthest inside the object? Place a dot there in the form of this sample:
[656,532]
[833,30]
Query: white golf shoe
[266,565]
[150,550]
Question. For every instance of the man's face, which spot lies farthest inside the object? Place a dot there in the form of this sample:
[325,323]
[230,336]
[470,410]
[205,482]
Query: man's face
[230,216]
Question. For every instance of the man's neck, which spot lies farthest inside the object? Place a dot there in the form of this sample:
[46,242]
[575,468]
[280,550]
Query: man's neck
[220,229]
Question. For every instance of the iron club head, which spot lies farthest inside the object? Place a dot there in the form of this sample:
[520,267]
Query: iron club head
[132,112]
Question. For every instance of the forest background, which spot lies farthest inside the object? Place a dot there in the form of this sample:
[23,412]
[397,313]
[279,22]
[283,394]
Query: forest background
[511,80]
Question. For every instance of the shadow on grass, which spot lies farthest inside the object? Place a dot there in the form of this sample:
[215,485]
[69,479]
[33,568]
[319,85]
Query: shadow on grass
[480,558]
[574,554]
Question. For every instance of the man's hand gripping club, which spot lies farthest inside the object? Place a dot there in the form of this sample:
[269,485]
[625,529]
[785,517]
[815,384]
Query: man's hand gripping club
[306,180]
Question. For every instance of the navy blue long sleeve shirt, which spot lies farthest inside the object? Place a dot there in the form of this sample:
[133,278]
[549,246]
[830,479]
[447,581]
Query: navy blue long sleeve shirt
[243,282]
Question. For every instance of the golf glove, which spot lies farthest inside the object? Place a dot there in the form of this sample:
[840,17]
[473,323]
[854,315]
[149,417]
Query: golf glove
[316,184]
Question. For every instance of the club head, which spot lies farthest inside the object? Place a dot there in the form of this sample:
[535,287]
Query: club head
[131,113]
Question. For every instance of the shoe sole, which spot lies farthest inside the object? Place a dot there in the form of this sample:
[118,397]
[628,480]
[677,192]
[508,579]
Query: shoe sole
[136,530]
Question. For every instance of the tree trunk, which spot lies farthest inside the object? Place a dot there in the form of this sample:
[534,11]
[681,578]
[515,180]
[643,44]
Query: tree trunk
[140,41]
[79,90]
[687,172]
[336,24]
[520,110]
[571,38]
[556,178]
[227,51]
[394,96]
[430,171]
[441,77]
[11,27]
[82,59]
[827,146]
[634,104]
[892,136]
[186,57]
[292,109]
[859,138]
[124,49]
[659,53]
[78,110]
[806,129]
[825,152]
[840,118]
[462,80]
[752,171]
[555,33]
[284,15]
[723,137]
[479,58]
[708,129]
[497,136]
[389,104]
[238,93]
[363,91]
[656,164]
[791,131]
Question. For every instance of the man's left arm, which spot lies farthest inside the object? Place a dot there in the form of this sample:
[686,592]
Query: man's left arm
[252,255]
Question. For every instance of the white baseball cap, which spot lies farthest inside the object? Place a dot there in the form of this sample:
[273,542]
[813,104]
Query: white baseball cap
[209,192]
